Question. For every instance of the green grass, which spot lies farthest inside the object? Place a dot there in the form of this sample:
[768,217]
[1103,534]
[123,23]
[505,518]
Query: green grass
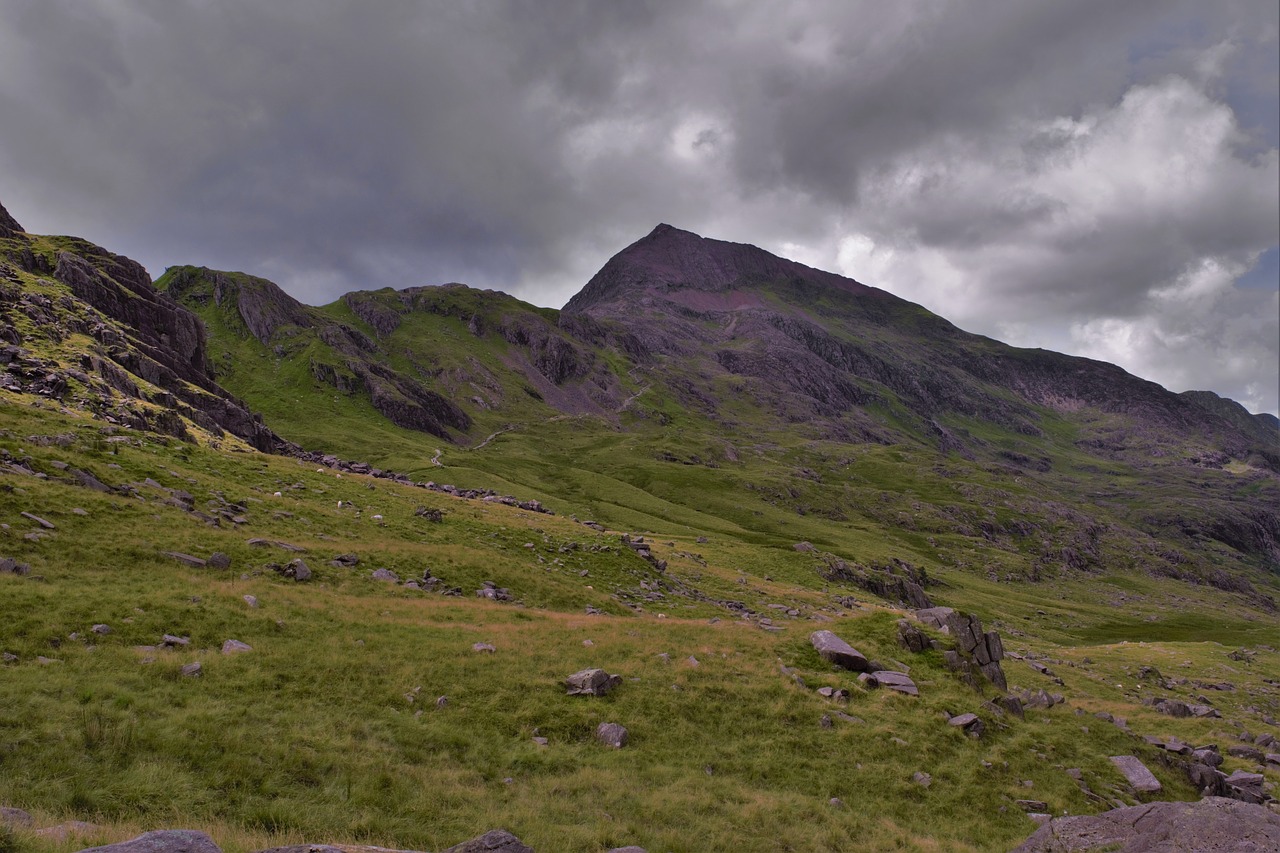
[313,737]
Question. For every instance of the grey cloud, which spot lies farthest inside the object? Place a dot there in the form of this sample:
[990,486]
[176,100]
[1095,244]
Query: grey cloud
[340,145]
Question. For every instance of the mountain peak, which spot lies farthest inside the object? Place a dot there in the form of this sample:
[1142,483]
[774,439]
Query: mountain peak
[671,259]
[9,226]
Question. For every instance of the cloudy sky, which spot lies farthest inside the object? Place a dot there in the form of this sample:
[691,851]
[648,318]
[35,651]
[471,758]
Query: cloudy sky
[1091,176]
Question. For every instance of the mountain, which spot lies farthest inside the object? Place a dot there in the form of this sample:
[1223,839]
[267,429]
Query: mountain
[690,350]
[101,337]
[324,571]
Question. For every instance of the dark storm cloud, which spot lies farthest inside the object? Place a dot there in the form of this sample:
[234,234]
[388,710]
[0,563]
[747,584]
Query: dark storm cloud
[1091,176]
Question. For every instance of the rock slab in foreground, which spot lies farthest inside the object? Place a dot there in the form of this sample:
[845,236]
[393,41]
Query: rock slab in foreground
[494,841]
[1137,773]
[162,841]
[1212,825]
[838,652]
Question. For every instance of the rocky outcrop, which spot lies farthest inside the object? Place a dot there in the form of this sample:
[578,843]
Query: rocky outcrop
[1212,825]
[162,841]
[9,226]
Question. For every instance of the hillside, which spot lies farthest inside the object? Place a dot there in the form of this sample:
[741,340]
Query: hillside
[707,456]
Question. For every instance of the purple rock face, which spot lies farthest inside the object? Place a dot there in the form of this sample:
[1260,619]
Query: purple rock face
[1212,825]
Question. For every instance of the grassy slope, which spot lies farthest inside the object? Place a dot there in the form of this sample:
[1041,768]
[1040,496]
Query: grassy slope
[312,736]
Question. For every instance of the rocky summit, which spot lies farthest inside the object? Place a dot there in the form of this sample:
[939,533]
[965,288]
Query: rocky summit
[728,554]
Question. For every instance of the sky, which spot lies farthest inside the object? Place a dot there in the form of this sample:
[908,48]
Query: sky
[1089,176]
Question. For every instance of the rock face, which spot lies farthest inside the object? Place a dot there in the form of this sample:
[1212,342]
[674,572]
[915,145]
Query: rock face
[838,652]
[9,226]
[1212,825]
[162,841]
[136,333]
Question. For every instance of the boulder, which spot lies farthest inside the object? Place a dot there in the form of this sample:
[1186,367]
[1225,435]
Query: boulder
[591,682]
[231,647]
[162,841]
[1248,752]
[1137,774]
[612,734]
[385,575]
[493,841]
[219,560]
[1212,825]
[298,570]
[837,651]
[192,670]
[911,637]
[14,817]
[971,724]
[935,616]
[893,681]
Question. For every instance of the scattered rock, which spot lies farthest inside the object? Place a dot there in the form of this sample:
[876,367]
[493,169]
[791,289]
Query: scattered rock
[837,651]
[101,629]
[1137,774]
[13,567]
[1212,825]
[922,779]
[231,647]
[385,575]
[892,680]
[298,570]
[493,841]
[805,547]
[483,647]
[1255,755]
[251,600]
[47,525]
[591,682]
[612,734]
[1032,805]
[219,560]
[187,559]
[14,817]
[172,641]
[192,670]
[162,841]
[971,724]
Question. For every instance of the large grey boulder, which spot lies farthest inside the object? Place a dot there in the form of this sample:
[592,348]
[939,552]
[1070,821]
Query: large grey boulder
[1212,825]
[162,841]
[838,652]
[591,682]
[1137,774]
